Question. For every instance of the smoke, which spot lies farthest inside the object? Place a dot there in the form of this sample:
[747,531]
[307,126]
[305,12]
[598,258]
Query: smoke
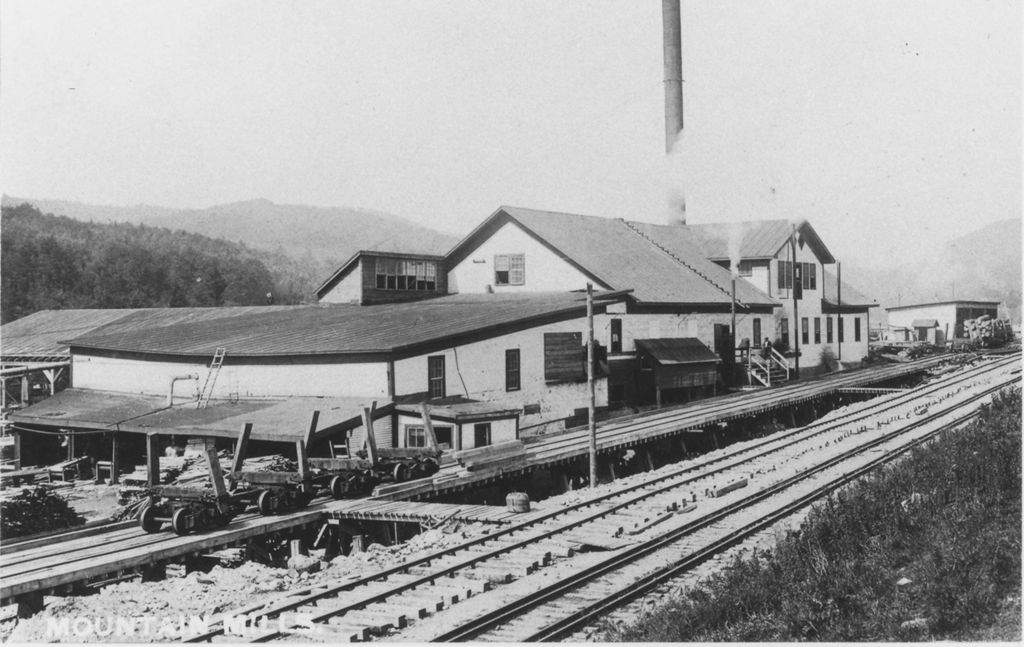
[675,192]
[735,240]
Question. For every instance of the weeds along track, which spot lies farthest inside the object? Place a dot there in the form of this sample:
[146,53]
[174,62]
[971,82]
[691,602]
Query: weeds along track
[575,600]
[623,521]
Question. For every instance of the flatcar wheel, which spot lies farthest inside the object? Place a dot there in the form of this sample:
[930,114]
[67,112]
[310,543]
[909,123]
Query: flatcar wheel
[148,520]
[400,473]
[179,521]
[265,503]
[339,487]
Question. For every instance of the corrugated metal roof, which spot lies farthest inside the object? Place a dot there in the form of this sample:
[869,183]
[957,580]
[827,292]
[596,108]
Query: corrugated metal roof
[621,256]
[332,329]
[851,296]
[276,420]
[678,350]
[924,323]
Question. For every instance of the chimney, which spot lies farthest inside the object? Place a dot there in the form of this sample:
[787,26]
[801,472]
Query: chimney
[673,51]
[672,29]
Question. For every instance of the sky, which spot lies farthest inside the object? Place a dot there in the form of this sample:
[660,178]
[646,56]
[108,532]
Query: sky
[880,122]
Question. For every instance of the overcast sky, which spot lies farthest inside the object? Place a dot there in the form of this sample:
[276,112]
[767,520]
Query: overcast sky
[866,117]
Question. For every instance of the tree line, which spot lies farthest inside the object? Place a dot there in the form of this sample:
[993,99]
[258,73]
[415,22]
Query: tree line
[55,262]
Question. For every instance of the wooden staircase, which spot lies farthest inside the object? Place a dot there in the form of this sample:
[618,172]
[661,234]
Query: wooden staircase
[767,371]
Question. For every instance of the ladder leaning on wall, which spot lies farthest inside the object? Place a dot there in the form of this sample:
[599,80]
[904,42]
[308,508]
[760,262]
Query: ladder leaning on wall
[211,378]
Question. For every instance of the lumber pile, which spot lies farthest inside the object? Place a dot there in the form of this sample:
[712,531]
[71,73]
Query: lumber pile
[988,331]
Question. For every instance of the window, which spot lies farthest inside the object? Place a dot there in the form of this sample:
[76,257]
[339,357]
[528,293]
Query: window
[745,268]
[856,329]
[828,330]
[482,434]
[804,336]
[512,369]
[444,437]
[807,272]
[841,336]
[415,436]
[784,337]
[397,274]
[817,330]
[810,276]
[785,275]
[509,269]
[435,376]
[757,333]
[616,343]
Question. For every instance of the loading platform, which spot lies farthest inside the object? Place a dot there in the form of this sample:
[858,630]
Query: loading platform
[430,514]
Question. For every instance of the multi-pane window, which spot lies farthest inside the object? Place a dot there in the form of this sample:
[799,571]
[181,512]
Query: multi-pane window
[435,376]
[398,274]
[509,269]
[415,436]
[856,329]
[745,268]
[828,330]
[482,434]
[808,275]
[512,382]
[804,333]
[817,330]
[757,333]
[784,337]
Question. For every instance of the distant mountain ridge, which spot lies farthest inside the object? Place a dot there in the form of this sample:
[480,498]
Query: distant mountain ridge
[323,236]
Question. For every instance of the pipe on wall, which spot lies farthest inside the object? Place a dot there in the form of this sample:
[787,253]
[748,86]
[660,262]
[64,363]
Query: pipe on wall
[178,378]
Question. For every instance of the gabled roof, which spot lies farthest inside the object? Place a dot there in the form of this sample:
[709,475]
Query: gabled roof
[758,239]
[674,351]
[340,329]
[851,296]
[617,255]
[353,261]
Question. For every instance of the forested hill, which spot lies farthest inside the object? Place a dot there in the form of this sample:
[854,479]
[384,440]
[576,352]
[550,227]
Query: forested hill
[52,261]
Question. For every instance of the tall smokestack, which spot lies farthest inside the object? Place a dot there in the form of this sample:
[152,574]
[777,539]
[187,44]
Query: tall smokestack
[672,29]
[672,33]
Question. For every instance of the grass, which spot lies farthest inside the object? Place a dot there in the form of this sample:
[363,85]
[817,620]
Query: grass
[927,549]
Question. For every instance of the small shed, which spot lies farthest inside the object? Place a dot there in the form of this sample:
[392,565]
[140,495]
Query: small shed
[676,369]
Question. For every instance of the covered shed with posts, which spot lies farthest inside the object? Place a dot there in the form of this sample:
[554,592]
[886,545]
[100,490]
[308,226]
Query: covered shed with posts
[677,369]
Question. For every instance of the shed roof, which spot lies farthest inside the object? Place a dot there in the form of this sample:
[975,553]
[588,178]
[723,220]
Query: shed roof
[758,239]
[340,329]
[617,254]
[851,296]
[679,350]
[975,303]
[274,420]
[924,323]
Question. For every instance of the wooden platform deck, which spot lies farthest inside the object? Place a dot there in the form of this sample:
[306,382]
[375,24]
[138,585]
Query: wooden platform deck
[422,512]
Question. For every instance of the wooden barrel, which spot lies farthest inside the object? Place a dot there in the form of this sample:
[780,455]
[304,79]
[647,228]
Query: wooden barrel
[518,502]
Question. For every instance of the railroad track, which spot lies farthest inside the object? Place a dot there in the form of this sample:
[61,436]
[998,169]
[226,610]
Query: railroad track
[381,602]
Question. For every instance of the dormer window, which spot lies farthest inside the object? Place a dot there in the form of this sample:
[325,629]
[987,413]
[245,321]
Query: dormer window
[509,269]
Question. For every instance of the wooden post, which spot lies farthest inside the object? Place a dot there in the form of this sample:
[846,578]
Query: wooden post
[428,426]
[24,390]
[591,423]
[302,456]
[371,441]
[296,547]
[17,449]
[240,446]
[71,445]
[114,480]
[358,544]
[216,476]
[649,459]
[152,460]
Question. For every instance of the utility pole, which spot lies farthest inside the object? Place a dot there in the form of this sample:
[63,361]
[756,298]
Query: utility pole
[796,315]
[590,385]
[839,304]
